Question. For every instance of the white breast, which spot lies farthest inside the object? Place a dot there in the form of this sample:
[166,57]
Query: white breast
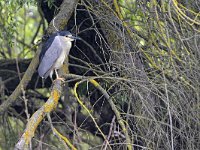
[65,46]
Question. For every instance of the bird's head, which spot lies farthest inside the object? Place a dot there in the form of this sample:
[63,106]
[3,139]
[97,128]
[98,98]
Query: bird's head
[68,35]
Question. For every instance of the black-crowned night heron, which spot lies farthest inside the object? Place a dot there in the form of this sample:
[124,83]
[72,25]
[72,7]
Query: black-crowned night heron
[54,52]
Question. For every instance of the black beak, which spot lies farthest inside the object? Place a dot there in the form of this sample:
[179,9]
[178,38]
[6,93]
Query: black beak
[75,37]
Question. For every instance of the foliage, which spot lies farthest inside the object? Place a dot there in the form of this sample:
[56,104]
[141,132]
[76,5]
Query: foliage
[153,77]
[18,21]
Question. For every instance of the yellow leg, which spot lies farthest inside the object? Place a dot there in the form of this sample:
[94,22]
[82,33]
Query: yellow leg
[59,78]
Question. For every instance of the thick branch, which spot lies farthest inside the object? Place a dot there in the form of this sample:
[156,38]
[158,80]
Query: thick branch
[63,16]
[23,83]
[37,117]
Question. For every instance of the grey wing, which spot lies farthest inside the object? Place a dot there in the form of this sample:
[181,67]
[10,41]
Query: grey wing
[51,55]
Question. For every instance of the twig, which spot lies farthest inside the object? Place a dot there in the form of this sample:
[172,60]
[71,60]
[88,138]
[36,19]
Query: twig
[37,31]
[62,138]
[88,111]
[117,113]
[23,83]
[110,132]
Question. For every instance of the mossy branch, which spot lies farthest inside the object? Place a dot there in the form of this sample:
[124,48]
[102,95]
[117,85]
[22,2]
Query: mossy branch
[115,110]
[88,111]
[37,117]
[64,139]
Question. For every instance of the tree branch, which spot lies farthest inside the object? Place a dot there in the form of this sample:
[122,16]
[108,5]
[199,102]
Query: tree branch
[61,19]
[23,83]
[37,117]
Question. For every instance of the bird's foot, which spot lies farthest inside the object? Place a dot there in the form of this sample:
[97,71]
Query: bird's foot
[59,78]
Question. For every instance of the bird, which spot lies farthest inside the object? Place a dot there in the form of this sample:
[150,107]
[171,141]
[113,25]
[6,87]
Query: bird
[53,53]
